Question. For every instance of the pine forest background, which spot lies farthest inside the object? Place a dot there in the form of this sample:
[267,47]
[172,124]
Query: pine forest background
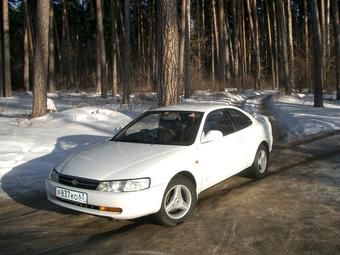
[169,47]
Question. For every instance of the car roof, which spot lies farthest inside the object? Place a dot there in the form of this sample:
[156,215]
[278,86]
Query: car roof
[194,107]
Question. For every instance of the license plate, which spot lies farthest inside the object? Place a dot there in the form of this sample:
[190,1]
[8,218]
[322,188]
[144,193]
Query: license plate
[71,195]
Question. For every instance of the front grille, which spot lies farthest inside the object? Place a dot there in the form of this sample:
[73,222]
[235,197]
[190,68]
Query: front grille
[77,182]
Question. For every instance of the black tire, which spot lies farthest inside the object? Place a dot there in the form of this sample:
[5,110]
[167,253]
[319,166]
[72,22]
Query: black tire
[260,164]
[183,205]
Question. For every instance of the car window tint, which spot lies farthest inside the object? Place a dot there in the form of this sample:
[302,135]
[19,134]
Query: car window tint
[163,127]
[149,122]
[241,120]
[219,120]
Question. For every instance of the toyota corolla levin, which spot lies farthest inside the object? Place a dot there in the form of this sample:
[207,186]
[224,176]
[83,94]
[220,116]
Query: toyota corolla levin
[161,161]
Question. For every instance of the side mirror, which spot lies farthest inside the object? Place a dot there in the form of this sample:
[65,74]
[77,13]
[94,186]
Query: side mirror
[212,135]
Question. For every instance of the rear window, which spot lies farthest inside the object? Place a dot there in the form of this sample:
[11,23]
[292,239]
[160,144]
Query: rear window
[240,119]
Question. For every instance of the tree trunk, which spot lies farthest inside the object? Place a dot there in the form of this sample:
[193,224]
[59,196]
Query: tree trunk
[101,42]
[212,52]
[336,25]
[305,25]
[284,51]
[143,50]
[58,48]
[151,46]
[167,51]
[51,61]
[200,36]
[318,55]
[41,60]
[98,67]
[290,44]
[114,49]
[322,20]
[6,50]
[270,44]
[244,45]
[182,35]
[187,52]
[216,39]
[26,50]
[255,41]
[276,46]
[235,41]
[138,61]
[229,57]
[126,53]
[327,41]
[257,47]
[66,47]
[222,45]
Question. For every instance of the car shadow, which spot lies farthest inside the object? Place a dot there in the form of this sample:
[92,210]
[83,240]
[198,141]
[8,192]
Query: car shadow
[25,183]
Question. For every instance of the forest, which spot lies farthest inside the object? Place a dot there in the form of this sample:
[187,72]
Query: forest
[120,47]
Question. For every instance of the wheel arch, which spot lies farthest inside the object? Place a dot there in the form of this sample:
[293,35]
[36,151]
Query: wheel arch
[187,175]
[265,144]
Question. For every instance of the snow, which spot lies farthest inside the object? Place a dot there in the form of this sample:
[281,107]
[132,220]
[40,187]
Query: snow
[221,97]
[50,105]
[297,114]
[30,148]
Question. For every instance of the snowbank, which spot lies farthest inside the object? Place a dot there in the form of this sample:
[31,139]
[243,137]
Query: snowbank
[297,114]
[229,98]
[48,139]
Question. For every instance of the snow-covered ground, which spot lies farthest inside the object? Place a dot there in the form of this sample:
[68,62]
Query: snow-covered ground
[29,148]
[297,115]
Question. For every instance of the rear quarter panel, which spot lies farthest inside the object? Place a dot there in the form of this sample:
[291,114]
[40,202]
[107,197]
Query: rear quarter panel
[264,124]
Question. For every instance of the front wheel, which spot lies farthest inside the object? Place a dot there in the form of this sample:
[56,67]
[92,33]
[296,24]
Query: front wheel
[179,201]
[260,164]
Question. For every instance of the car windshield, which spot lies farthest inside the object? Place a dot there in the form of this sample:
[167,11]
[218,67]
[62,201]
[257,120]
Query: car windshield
[163,127]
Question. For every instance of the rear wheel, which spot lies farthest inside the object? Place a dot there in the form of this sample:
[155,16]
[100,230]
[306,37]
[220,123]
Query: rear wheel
[179,201]
[260,164]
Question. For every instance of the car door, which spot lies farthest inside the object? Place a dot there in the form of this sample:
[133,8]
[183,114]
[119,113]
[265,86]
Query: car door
[219,159]
[247,137]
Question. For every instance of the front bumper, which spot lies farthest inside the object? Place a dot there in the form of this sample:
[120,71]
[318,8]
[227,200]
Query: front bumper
[133,204]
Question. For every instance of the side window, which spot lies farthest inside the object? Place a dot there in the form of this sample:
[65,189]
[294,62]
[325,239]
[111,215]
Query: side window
[241,120]
[219,120]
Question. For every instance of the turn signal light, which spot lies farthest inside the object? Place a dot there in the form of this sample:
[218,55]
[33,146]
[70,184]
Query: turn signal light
[110,209]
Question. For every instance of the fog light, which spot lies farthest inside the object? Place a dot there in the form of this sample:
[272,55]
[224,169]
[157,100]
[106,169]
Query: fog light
[110,209]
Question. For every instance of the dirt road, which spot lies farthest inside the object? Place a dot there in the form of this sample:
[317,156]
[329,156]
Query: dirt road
[294,210]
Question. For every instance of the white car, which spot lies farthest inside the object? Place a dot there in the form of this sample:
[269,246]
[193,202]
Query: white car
[161,161]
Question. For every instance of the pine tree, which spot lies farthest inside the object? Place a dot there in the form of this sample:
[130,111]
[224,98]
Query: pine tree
[167,52]
[41,60]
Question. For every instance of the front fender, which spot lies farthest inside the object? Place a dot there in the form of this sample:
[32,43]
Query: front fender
[164,170]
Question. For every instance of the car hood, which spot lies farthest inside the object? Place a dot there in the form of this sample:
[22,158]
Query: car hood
[114,160]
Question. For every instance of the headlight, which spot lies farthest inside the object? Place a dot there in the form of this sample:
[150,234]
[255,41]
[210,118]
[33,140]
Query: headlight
[54,176]
[124,185]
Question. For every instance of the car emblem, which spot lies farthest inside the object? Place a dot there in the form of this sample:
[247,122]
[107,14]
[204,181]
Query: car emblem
[74,182]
